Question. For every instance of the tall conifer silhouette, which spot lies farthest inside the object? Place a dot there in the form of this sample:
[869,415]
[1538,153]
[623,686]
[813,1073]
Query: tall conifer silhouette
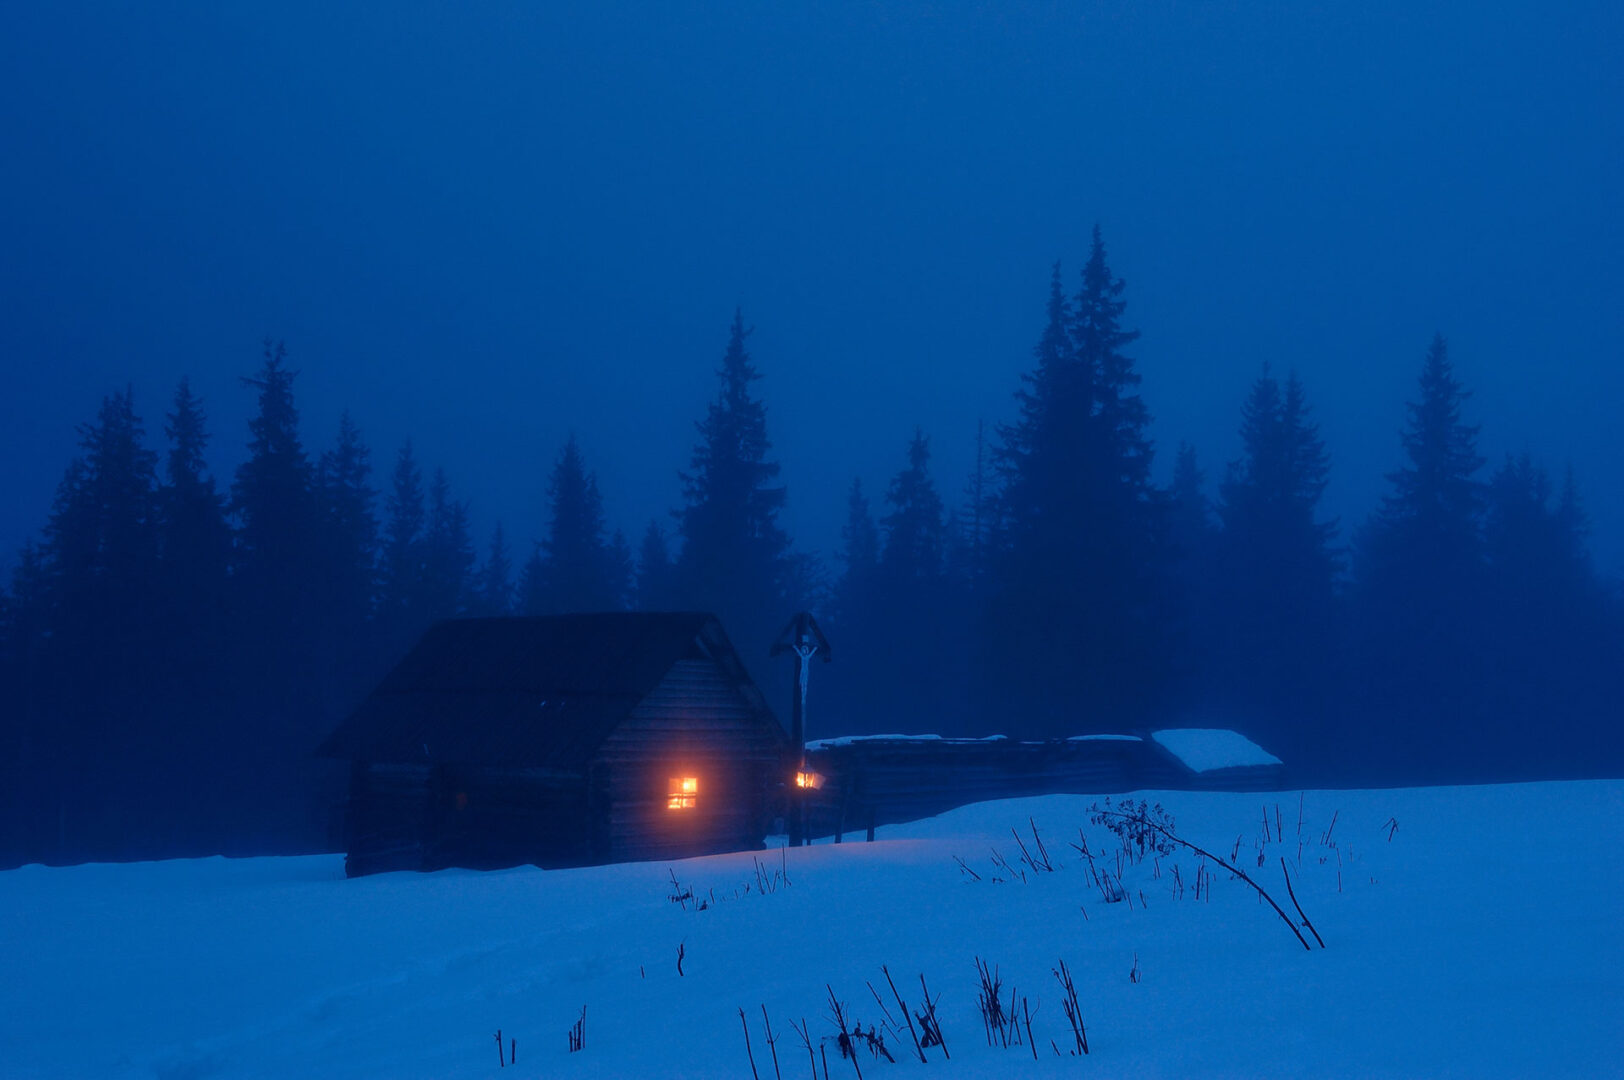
[1081,574]
[734,557]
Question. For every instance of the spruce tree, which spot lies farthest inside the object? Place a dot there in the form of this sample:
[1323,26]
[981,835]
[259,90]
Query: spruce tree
[272,498]
[656,585]
[1275,568]
[448,555]
[859,557]
[102,541]
[493,595]
[1421,598]
[1192,559]
[26,626]
[194,620]
[97,710]
[914,529]
[1077,610]
[622,571]
[579,570]
[346,498]
[973,529]
[194,536]
[1119,413]
[1551,640]
[1430,522]
[735,556]
[402,566]
[532,589]
[1189,509]
[289,681]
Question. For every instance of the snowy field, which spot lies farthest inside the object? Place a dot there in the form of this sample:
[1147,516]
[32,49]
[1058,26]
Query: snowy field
[1481,938]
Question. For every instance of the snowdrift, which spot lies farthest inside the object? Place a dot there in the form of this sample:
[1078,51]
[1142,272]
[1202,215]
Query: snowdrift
[1468,932]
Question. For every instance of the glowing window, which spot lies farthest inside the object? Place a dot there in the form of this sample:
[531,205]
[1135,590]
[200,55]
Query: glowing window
[684,793]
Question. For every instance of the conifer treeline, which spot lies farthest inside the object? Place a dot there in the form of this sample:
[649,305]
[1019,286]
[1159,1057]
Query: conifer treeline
[172,652]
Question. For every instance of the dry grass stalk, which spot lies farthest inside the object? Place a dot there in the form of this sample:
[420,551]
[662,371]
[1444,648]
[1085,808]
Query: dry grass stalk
[1073,1011]
[749,1052]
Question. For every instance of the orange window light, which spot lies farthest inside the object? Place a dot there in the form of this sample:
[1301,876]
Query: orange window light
[684,793]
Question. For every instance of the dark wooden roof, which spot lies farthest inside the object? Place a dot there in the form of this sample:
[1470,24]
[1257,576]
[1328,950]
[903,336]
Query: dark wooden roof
[527,692]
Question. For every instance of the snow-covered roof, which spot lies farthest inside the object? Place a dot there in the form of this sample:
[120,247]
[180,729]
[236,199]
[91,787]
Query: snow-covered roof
[848,740]
[1209,749]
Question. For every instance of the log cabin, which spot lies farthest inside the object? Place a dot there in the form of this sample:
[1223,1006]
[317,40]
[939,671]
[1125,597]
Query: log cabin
[565,740]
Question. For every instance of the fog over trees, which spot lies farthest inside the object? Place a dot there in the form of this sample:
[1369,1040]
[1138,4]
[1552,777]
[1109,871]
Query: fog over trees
[175,643]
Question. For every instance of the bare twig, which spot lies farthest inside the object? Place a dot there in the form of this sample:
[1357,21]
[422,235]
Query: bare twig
[1233,869]
[846,1046]
[1293,894]
[805,1033]
[1039,863]
[1001,863]
[890,1021]
[680,895]
[930,1017]
[906,1015]
[988,1000]
[1068,1004]
[772,1043]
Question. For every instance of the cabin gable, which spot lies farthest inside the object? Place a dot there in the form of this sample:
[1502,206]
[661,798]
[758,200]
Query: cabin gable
[701,726]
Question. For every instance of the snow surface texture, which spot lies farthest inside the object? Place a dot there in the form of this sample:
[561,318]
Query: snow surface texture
[1481,940]
[1211,749]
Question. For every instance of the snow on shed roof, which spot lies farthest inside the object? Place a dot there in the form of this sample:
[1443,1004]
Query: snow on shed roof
[1210,749]
[850,740]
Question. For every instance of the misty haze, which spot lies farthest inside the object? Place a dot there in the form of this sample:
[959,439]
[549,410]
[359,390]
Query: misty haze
[488,469]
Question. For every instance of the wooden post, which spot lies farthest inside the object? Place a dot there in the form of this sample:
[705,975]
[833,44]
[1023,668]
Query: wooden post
[797,724]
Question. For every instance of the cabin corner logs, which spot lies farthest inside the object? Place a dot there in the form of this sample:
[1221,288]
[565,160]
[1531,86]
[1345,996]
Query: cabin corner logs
[583,739]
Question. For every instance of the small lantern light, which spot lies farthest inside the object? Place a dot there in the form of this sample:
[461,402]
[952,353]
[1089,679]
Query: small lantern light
[811,781]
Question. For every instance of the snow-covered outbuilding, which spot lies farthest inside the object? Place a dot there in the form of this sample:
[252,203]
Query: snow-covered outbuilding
[561,741]
[868,780]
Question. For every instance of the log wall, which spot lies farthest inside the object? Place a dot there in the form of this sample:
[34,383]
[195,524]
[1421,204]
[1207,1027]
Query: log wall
[696,723]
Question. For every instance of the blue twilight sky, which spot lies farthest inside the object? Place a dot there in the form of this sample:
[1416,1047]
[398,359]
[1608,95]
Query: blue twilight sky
[484,226]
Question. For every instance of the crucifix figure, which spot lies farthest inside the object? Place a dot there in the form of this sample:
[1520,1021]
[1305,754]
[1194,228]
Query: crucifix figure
[802,637]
